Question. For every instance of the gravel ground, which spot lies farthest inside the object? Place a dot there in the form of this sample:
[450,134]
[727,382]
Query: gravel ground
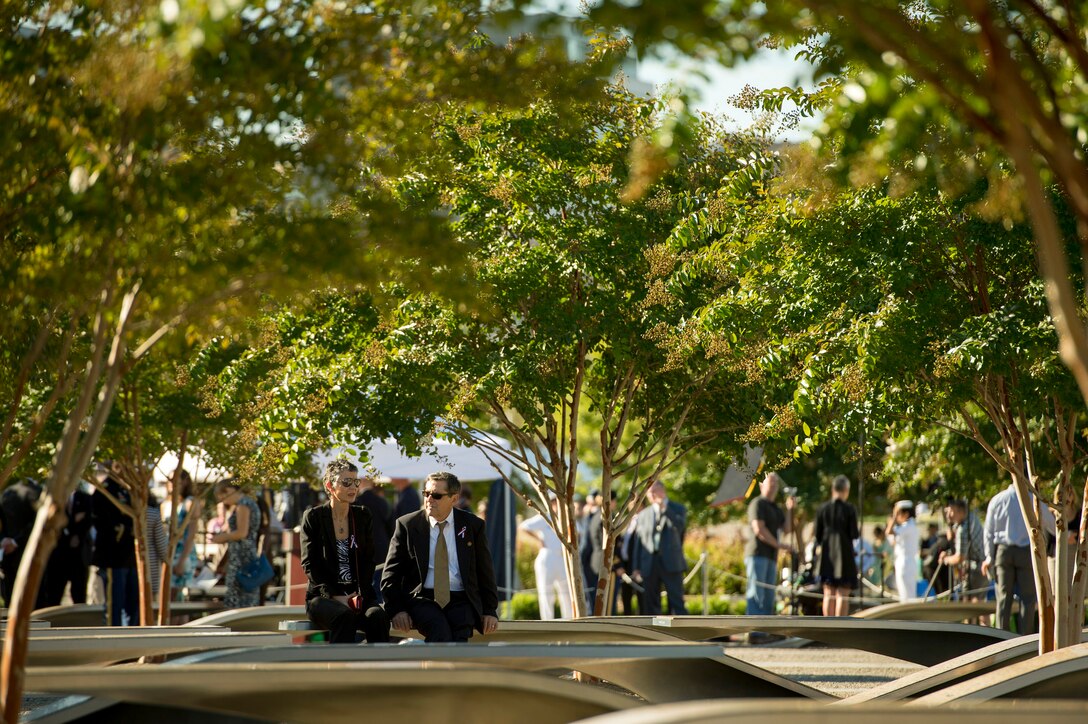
[839,672]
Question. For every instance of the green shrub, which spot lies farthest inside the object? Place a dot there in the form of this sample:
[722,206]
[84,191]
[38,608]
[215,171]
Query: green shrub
[524,607]
[523,561]
[719,605]
[725,565]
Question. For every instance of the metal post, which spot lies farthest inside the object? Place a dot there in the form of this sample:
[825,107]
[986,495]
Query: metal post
[706,579]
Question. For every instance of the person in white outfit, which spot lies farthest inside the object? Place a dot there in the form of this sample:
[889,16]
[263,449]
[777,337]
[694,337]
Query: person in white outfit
[551,572]
[903,533]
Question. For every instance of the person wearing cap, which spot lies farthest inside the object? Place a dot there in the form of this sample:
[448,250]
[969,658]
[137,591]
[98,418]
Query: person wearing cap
[903,533]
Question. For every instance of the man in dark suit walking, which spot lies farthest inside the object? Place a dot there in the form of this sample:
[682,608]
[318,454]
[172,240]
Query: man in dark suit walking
[438,576]
[658,556]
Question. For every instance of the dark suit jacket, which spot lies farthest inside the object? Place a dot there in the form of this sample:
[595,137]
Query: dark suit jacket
[381,516]
[592,546]
[673,527]
[319,553]
[409,557]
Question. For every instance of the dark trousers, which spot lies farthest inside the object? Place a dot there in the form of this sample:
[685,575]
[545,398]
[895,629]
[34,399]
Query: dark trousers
[452,623]
[122,595]
[1012,568]
[342,622]
[625,592]
[65,566]
[674,589]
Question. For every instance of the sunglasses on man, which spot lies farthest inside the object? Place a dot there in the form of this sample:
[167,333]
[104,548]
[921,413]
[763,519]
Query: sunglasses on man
[434,495]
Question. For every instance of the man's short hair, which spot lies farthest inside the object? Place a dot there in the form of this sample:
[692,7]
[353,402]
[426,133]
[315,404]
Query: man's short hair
[453,485]
[333,470]
[840,484]
[959,504]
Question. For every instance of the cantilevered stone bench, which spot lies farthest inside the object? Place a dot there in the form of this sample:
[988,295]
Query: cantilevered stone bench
[120,631]
[432,692]
[657,672]
[108,648]
[951,611]
[808,712]
[1061,674]
[254,618]
[35,625]
[921,642]
[953,671]
[90,614]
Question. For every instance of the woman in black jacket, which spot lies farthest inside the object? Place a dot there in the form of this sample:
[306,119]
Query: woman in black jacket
[338,557]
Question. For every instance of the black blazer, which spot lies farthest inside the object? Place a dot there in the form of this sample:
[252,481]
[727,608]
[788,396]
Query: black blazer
[409,557]
[319,553]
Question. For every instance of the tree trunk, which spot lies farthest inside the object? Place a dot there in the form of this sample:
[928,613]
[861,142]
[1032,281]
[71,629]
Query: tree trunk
[1038,566]
[575,577]
[167,570]
[604,587]
[143,568]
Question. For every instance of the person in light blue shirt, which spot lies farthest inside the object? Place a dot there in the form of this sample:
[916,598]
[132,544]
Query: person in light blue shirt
[1008,553]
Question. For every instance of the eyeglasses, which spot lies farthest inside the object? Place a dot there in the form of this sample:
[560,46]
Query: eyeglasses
[434,495]
[349,482]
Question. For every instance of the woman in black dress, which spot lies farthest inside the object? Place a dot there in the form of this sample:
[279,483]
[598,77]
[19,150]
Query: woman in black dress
[836,531]
[338,557]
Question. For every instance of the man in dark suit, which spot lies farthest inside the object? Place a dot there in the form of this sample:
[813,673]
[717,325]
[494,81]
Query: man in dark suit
[381,513]
[658,556]
[439,577]
[71,559]
[407,499]
[18,510]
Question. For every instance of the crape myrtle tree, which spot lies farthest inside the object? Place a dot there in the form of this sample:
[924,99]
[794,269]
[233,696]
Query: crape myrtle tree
[157,411]
[915,310]
[584,312]
[952,90]
[164,164]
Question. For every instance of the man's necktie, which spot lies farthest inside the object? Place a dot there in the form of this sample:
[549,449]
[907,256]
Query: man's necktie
[441,568]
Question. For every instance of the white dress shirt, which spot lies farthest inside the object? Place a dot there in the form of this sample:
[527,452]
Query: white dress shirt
[451,547]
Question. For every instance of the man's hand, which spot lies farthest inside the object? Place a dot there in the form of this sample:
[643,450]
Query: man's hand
[8,545]
[491,624]
[179,568]
[986,568]
[636,576]
[403,622]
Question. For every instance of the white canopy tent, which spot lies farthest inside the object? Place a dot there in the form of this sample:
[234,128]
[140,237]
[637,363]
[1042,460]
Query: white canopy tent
[467,463]
[196,463]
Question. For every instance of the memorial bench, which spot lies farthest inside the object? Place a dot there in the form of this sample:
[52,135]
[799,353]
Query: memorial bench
[1061,674]
[432,692]
[657,672]
[107,648]
[91,614]
[807,712]
[920,642]
[931,679]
